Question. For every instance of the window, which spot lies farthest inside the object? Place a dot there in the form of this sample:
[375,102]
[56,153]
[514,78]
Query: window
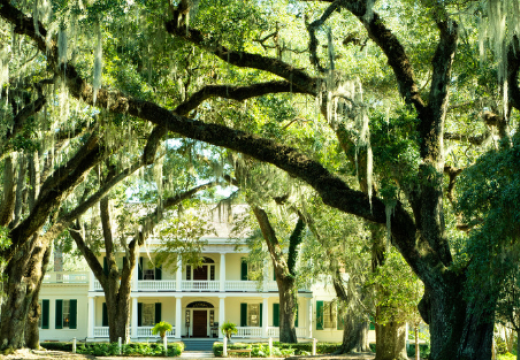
[326,315]
[251,315]
[66,314]
[330,314]
[148,314]
[40,304]
[149,274]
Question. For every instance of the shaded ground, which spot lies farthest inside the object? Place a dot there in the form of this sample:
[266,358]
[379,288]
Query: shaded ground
[45,355]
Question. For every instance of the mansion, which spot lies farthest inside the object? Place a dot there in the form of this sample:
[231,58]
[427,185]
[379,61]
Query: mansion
[196,301]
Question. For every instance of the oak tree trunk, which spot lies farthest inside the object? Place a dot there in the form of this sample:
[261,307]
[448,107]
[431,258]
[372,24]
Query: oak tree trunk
[288,294]
[32,332]
[391,340]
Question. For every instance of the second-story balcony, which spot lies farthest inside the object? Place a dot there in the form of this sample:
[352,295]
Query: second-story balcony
[200,285]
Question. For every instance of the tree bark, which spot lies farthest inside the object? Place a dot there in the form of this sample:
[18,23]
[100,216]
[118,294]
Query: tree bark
[391,341]
[32,332]
[285,274]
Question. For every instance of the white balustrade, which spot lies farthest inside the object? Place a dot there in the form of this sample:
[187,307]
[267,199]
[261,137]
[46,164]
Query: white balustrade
[62,277]
[97,285]
[198,285]
[146,331]
[249,332]
[272,286]
[242,286]
[156,285]
[101,331]
[273,332]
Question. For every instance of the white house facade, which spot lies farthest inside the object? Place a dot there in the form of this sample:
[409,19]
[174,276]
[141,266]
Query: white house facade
[196,301]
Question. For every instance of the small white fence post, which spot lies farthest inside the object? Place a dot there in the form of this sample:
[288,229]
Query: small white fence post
[314,342]
[270,347]
[73,345]
[119,342]
[224,350]
[165,344]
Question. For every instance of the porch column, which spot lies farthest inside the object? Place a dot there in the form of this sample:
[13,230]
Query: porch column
[178,279]
[178,316]
[222,271]
[91,317]
[221,315]
[91,280]
[309,318]
[134,320]
[135,275]
[265,317]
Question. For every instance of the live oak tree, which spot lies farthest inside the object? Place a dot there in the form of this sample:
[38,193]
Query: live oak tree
[422,68]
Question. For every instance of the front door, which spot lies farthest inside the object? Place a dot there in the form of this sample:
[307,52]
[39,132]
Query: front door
[200,273]
[200,323]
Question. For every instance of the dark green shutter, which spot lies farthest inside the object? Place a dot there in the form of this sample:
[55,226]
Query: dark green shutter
[73,314]
[104,321]
[59,314]
[105,265]
[296,316]
[140,269]
[158,309]
[158,273]
[45,314]
[274,275]
[124,260]
[276,315]
[243,314]
[261,316]
[372,325]
[139,314]
[319,315]
[188,272]
[243,273]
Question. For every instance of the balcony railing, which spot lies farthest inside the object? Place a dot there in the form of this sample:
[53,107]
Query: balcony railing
[142,331]
[194,285]
[62,277]
[156,285]
[242,286]
[198,285]
[249,332]
[146,331]
[274,332]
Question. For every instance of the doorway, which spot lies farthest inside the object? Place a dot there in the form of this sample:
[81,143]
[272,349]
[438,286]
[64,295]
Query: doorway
[201,273]
[200,323]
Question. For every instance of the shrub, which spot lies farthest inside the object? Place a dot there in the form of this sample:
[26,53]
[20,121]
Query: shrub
[279,350]
[106,349]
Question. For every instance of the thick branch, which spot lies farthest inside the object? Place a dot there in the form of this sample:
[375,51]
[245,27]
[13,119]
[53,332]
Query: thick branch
[297,77]
[394,51]
[89,256]
[238,93]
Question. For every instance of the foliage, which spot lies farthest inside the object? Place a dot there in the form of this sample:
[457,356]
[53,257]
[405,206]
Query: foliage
[229,328]
[107,349]
[279,350]
[161,328]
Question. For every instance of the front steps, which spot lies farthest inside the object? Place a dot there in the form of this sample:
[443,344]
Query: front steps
[199,344]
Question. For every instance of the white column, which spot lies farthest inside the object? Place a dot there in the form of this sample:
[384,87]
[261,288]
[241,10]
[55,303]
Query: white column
[135,275]
[309,318]
[91,279]
[178,279]
[265,317]
[221,314]
[222,271]
[178,317]
[91,317]
[134,320]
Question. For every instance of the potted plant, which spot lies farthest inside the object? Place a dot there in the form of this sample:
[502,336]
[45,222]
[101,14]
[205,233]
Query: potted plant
[229,328]
[162,328]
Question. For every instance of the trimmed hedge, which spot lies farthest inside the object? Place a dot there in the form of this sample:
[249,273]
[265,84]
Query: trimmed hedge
[280,350]
[107,349]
